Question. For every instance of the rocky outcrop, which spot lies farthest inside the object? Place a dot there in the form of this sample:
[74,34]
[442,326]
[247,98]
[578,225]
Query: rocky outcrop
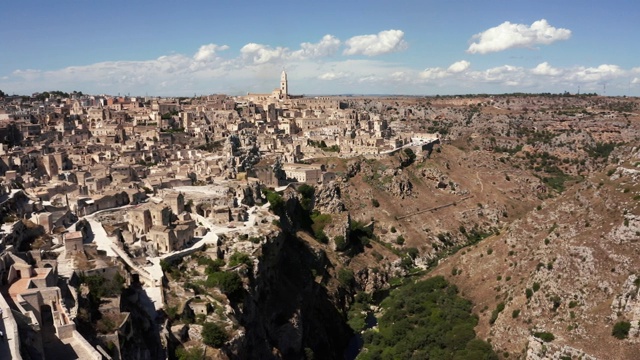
[400,186]
[627,230]
[539,350]
[328,199]
[247,196]
[626,305]
[353,168]
[339,227]
[287,313]
[372,279]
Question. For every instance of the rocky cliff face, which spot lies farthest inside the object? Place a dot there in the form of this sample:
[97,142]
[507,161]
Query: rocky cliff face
[328,199]
[289,312]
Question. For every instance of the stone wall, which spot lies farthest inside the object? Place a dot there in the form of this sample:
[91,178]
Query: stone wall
[90,351]
[10,329]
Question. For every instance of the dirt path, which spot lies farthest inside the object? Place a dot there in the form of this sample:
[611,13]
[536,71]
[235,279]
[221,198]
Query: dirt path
[480,181]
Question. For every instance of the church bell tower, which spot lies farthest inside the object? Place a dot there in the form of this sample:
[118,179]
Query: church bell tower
[284,87]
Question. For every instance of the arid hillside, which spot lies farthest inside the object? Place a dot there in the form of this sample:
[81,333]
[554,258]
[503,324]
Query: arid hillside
[529,205]
[569,268]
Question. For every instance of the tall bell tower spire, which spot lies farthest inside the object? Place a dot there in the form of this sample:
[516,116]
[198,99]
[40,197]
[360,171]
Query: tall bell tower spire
[284,86]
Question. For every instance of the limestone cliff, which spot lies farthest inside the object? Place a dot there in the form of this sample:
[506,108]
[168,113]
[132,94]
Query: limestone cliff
[289,312]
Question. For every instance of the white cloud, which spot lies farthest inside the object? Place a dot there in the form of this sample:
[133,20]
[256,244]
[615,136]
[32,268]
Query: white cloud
[508,35]
[598,74]
[376,44]
[434,73]
[440,73]
[261,54]
[327,46]
[208,52]
[459,66]
[258,54]
[507,74]
[333,75]
[402,77]
[545,69]
[312,69]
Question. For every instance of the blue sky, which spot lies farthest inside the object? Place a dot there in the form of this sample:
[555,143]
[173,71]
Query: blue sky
[419,47]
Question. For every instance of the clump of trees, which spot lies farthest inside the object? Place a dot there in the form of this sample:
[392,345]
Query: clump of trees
[544,336]
[214,334]
[307,192]
[621,329]
[99,289]
[426,320]
[323,146]
[318,223]
[409,158]
[276,202]
[229,282]
[600,150]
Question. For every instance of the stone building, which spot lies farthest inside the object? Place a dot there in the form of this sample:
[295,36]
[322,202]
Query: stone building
[309,174]
[160,215]
[73,242]
[139,220]
[175,201]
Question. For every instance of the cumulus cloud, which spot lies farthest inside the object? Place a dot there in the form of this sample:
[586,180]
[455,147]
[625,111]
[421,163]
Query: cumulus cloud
[507,35]
[208,52]
[376,44]
[598,74]
[440,73]
[257,68]
[258,54]
[505,74]
[327,46]
[434,73]
[545,69]
[333,75]
[261,54]
[459,66]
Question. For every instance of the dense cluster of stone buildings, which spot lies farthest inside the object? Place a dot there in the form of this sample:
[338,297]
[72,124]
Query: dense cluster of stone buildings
[66,157]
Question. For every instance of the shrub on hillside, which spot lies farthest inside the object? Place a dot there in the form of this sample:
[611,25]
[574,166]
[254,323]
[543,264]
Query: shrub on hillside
[621,329]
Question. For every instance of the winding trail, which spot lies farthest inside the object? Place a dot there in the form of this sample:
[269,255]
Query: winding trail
[480,181]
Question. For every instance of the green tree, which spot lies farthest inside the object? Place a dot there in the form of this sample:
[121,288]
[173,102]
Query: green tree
[214,335]
[239,258]
[306,191]
[192,353]
[229,283]
[345,277]
[544,336]
[621,329]
[275,201]
[341,244]
[410,157]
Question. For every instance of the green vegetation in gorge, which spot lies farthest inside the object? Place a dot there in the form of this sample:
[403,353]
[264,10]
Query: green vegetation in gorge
[319,221]
[275,200]
[214,334]
[426,320]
